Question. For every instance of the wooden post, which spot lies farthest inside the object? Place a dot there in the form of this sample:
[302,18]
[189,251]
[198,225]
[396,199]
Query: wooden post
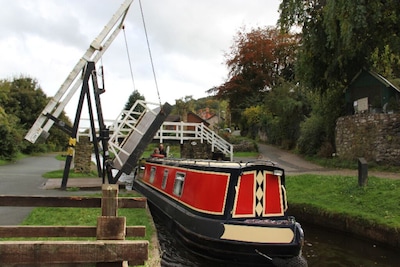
[109,226]
[362,172]
[109,201]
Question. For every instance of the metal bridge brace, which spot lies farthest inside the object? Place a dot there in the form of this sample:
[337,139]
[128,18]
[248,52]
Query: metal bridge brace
[89,73]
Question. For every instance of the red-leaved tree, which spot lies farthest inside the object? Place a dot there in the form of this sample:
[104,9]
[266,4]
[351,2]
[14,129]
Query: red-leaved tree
[257,61]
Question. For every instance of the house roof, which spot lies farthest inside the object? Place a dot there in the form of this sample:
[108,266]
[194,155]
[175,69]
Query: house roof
[377,76]
[173,118]
[199,118]
[211,116]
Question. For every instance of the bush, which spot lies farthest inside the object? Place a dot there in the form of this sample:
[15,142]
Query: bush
[9,148]
[287,107]
[317,133]
[241,144]
[311,135]
[11,136]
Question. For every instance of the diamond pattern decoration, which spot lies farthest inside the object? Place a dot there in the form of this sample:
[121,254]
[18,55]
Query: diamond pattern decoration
[259,193]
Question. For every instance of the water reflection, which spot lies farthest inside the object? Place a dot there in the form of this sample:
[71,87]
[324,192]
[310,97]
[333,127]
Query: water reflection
[323,248]
[174,254]
[329,248]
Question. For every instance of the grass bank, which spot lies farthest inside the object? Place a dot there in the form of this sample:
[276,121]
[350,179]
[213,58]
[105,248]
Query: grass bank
[18,157]
[377,202]
[338,202]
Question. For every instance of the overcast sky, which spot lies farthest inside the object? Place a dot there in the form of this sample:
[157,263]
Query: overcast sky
[44,39]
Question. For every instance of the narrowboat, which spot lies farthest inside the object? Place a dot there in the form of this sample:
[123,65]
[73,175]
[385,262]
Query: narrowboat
[228,211]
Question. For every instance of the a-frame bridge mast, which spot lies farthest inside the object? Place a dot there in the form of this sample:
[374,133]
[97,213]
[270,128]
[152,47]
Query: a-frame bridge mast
[142,129]
[80,75]
[95,51]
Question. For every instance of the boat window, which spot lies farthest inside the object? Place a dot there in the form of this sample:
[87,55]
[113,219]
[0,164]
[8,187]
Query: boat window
[152,174]
[164,179]
[178,184]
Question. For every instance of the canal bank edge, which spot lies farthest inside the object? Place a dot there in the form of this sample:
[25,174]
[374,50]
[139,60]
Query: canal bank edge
[388,236]
[154,258]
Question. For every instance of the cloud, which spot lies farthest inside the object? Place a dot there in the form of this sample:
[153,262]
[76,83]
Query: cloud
[44,39]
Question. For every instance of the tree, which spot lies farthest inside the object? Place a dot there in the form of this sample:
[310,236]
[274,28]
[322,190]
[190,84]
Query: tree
[183,106]
[211,103]
[339,36]
[133,98]
[11,135]
[251,121]
[23,100]
[317,134]
[286,107]
[258,60]
[387,63]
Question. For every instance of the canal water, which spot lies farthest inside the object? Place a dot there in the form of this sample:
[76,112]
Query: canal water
[323,248]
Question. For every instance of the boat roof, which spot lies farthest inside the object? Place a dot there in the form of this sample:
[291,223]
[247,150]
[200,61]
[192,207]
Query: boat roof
[214,163]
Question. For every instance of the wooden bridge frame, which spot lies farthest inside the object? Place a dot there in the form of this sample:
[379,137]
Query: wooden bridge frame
[109,249]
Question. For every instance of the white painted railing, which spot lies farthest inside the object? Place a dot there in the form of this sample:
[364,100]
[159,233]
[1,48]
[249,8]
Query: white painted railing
[177,131]
[184,131]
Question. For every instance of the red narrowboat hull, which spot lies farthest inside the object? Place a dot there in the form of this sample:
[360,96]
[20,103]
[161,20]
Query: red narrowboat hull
[233,212]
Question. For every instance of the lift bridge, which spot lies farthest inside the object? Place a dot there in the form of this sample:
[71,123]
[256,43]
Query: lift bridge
[85,71]
[122,133]
[134,129]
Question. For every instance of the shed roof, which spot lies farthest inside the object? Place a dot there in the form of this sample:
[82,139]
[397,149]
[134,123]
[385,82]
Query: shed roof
[377,76]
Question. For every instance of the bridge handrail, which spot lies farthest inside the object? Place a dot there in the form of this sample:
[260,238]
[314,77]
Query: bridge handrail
[189,130]
[181,131]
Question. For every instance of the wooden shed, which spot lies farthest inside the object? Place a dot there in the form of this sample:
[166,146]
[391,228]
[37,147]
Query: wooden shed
[371,92]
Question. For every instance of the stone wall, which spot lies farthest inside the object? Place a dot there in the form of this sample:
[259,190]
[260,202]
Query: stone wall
[375,137]
[196,150]
[83,155]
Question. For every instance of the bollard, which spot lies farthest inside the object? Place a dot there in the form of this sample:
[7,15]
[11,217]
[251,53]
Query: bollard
[362,172]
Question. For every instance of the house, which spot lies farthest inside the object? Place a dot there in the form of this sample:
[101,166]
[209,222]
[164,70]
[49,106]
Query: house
[213,119]
[214,122]
[172,118]
[371,92]
[205,113]
[192,117]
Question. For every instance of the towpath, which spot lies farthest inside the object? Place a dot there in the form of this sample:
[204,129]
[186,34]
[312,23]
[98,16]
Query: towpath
[24,178]
[294,164]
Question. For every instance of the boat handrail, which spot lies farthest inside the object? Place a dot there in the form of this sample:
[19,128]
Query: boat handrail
[215,163]
[266,162]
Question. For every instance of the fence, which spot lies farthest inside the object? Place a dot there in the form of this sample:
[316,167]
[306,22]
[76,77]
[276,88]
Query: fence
[184,131]
[177,131]
[109,249]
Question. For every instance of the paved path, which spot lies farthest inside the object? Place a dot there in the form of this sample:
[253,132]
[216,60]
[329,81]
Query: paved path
[288,161]
[24,178]
[293,164]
